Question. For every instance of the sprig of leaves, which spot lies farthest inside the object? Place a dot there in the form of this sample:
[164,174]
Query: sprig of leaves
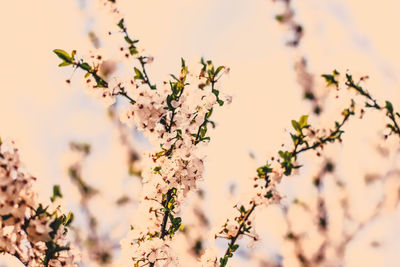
[393,116]
[90,71]
[131,42]
[331,79]
[212,76]
[143,60]
[52,248]
[211,73]
[390,113]
[244,227]
[177,86]
[287,163]
[168,203]
[200,136]
[371,102]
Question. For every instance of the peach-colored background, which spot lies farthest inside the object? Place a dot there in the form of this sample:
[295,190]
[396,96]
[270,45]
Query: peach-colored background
[42,113]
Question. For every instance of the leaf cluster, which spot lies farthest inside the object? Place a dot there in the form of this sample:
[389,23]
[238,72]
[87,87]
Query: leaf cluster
[211,73]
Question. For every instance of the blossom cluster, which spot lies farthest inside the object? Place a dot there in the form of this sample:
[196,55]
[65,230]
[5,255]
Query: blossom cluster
[175,119]
[35,234]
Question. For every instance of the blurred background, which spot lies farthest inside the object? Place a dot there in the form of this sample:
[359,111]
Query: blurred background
[43,113]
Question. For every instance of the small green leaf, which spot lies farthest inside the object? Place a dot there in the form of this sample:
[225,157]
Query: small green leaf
[223,261]
[234,247]
[73,54]
[330,79]
[133,50]
[157,170]
[209,113]
[56,193]
[269,194]
[85,66]
[100,82]
[389,106]
[139,74]
[68,220]
[63,55]
[303,121]
[262,172]
[279,18]
[121,24]
[174,77]
[62,64]
[218,70]
[296,125]
[128,40]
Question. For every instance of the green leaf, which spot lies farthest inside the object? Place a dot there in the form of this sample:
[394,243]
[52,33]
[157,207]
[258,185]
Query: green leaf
[63,55]
[133,50]
[295,138]
[157,170]
[40,210]
[169,100]
[209,113]
[233,247]
[389,106]
[215,92]
[121,24]
[68,220]
[263,171]
[303,121]
[128,40]
[56,193]
[269,194]
[62,64]
[203,131]
[139,74]
[330,79]
[174,77]
[73,54]
[218,70]
[279,18]
[391,127]
[177,221]
[223,261]
[85,66]
[296,125]
[100,82]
